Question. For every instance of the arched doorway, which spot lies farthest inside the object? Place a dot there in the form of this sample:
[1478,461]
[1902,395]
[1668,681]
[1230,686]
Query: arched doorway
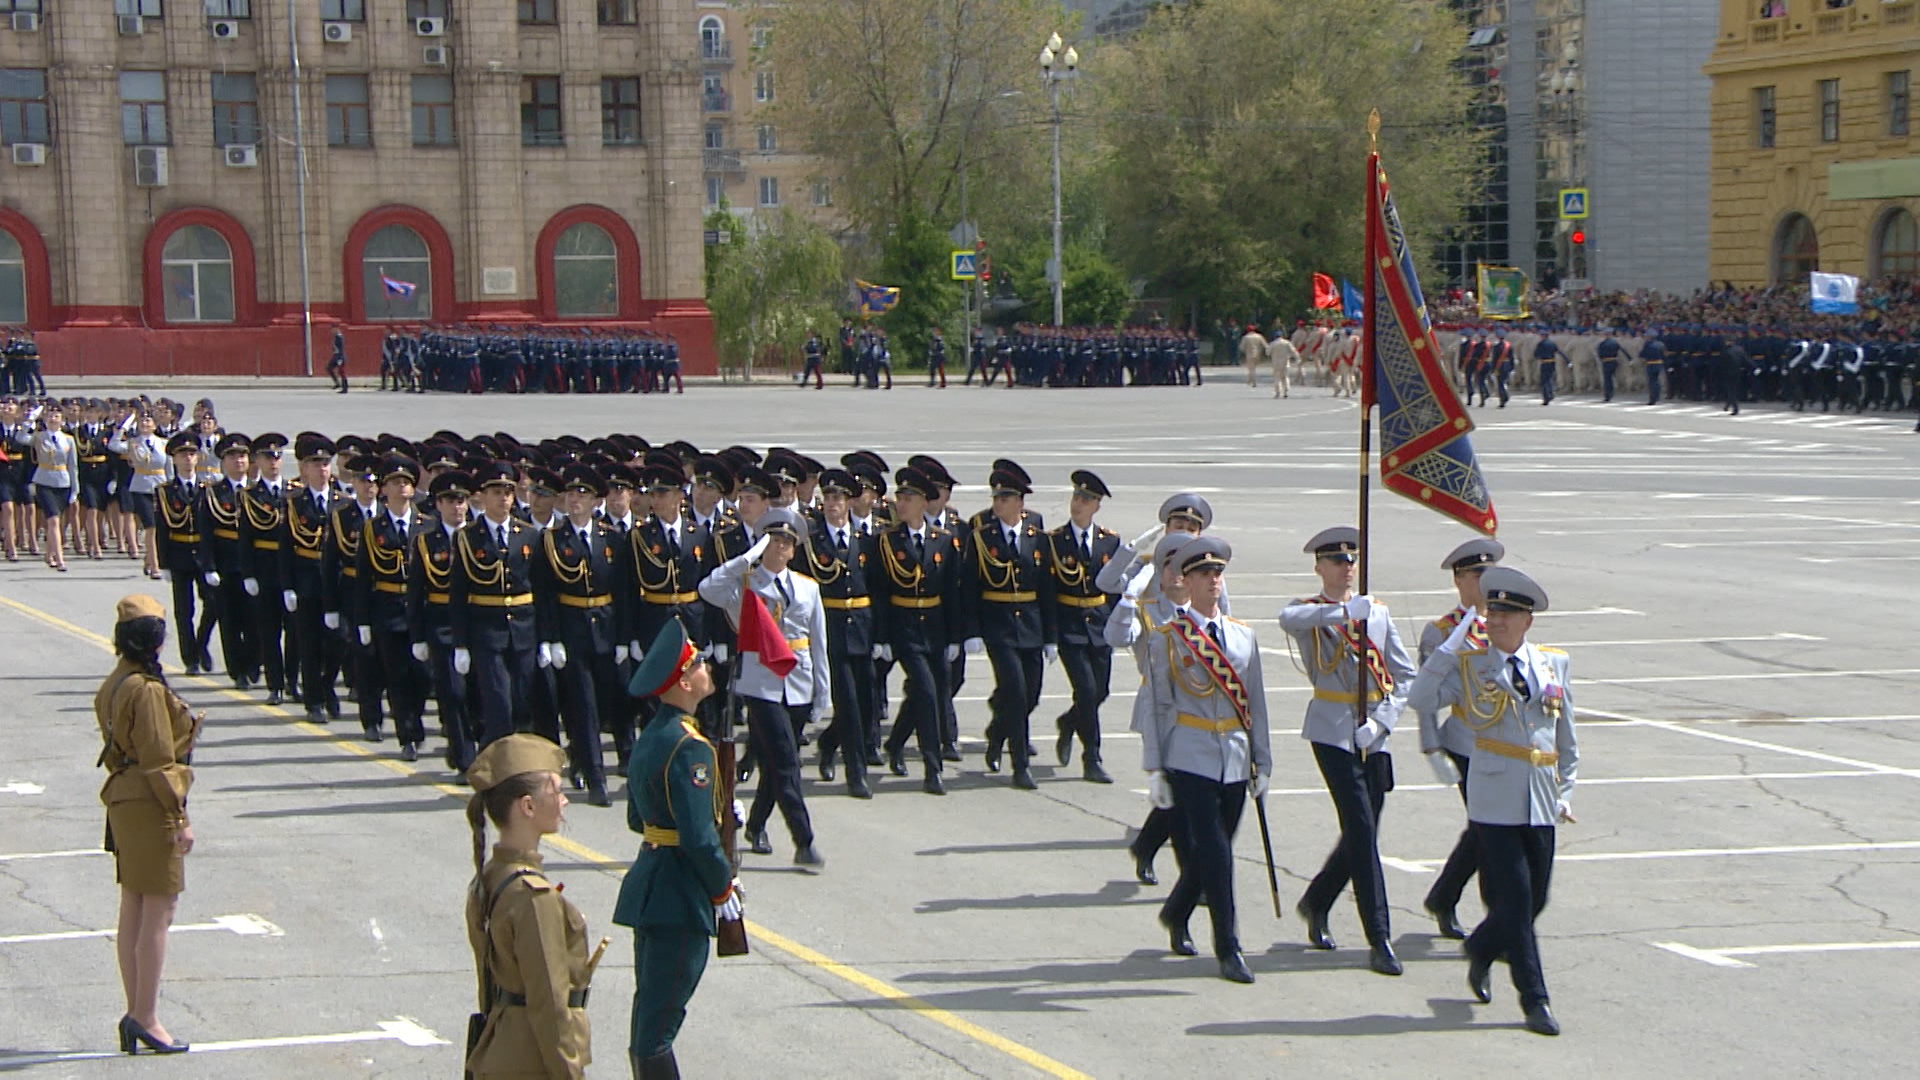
[1796,250]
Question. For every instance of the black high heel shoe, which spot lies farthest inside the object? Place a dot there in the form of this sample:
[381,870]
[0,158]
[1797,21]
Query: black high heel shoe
[131,1031]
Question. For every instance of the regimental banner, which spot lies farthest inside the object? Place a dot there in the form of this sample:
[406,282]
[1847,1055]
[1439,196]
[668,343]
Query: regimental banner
[1502,292]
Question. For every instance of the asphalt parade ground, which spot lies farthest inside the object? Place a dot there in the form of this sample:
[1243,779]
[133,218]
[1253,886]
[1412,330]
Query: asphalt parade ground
[1740,897]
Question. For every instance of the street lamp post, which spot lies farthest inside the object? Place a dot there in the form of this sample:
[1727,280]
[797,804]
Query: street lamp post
[1055,67]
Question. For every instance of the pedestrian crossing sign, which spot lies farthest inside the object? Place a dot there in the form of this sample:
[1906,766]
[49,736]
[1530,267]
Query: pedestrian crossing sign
[965,266]
[1573,203]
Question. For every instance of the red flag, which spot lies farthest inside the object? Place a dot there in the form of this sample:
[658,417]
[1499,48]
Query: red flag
[1324,294]
[760,635]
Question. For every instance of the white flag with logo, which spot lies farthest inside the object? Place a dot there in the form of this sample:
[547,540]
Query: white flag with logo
[1835,294]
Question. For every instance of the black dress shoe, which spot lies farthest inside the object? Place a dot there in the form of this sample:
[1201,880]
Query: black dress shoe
[1316,921]
[932,785]
[1143,869]
[374,734]
[1023,779]
[950,752]
[1480,979]
[1381,959]
[826,768]
[1449,924]
[758,843]
[315,716]
[598,797]
[409,752]
[1540,1020]
[1031,752]
[333,710]
[1092,773]
[573,777]
[1234,969]
[809,860]
[897,762]
[873,759]
[1179,942]
[274,698]
[993,757]
[857,787]
[1063,747]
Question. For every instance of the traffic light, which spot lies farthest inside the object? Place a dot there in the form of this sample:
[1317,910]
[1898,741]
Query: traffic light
[1579,237]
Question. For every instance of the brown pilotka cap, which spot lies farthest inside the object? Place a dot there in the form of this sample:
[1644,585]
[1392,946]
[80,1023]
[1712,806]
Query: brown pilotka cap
[138,606]
[512,755]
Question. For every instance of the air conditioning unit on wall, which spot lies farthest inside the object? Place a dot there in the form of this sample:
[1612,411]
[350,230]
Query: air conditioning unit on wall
[132,26]
[150,166]
[224,29]
[428,27]
[434,55]
[26,22]
[29,153]
[241,156]
[336,32]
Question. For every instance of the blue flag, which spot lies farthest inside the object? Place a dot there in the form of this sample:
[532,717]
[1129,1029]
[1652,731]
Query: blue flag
[1352,301]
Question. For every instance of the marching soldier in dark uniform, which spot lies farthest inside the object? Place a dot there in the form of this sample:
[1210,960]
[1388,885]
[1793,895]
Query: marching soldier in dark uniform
[577,573]
[429,622]
[381,569]
[263,535]
[491,606]
[941,514]
[838,557]
[340,570]
[221,560]
[309,522]
[1009,582]
[179,542]
[937,359]
[667,555]
[1077,551]
[815,354]
[918,610]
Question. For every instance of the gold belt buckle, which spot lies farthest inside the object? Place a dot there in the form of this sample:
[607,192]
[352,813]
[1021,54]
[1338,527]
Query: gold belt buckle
[1536,756]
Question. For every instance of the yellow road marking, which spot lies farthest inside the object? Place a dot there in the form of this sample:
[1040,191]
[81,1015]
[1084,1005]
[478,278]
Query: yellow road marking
[607,863]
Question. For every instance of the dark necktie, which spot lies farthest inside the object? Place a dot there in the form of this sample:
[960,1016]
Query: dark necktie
[1213,631]
[1519,678]
[780,583]
[500,534]
[1086,547]
[840,540]
[586,544]
[919,545]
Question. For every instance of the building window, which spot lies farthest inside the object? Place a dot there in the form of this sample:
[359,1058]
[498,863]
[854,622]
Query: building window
[433,110]
[398,254]
[19,5]
[1773,9]
[13,281]
[713,92]
[229,9]
[1829,95]
[541,120]
[618,13]
[1796,251]
[585,272]
[537,12]
[763,86]
[426,9]
[343,10]
[716,190]
[236,109]
[349,119]
[822,193]
[196,273]
[762,36]
[769,191]
[1899,103]
[768,144]
[146,9]
[1897,247]
[713,37]
[620,111]
[1764,117]
[143,108]
[716,137]
[23,105]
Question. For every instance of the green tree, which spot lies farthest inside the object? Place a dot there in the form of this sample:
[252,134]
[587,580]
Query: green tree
[1238,140]
[914,259]
[732,232]
[783,279]
[1094,290]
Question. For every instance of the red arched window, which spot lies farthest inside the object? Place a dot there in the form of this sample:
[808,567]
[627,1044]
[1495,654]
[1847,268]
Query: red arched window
[26,291]
[407,247]
[197,270]
[587,266]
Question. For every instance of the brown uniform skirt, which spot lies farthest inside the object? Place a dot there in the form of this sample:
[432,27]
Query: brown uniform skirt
[144,857]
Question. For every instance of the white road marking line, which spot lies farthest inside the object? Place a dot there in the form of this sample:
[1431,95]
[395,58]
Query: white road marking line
[1710,853]
[22,856]
[1746,676]
[1689,545]
[1705,956]
[1725,957]
[1877,718]
[1590,611]
[1585,781]
[1783,635]
[1863,558]
[1404,865]
[1756,744]
[22,787]
[1813,524]
[243,925]
[404,1030]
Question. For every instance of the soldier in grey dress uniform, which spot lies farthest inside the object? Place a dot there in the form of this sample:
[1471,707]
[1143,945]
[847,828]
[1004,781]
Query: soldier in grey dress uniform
[1129,624]
[1354,761]
[1185,512]
[1446,741]
[1205,745]
[1517,699]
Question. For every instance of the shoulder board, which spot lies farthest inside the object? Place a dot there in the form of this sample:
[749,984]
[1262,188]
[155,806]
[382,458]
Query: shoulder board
[1236,622]
[536,882]
[1471,652]
[1444,622]
[1551,651]
[1307,600]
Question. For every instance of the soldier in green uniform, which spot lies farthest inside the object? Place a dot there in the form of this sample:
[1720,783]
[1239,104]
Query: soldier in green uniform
[672,899]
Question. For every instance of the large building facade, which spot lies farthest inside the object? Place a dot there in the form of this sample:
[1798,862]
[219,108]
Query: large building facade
[745,161]
[494,163]
[1816,163]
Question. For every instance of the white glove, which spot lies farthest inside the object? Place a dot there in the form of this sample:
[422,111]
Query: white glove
[366,635]
[462,661]
[1563,810]
[213,578]
[739,813]
[420,651]
[883,652]
[290,600]
[559,655]
[975,645]
[759,548]
[720,653]
[1460,631]
[1368,733]
[1143,544]
[1257,787]
[1359,608]
[728,911]
[1443,769]
[1137,584]
[252,585]
[619,654]
[952,653]
[634,650]
[331,619]
[545,656]
[1050,653]
[1159,792]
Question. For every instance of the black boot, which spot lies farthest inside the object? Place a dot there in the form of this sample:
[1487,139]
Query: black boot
[657,1067]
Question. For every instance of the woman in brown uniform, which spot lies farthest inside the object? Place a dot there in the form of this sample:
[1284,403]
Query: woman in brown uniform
[529,943]
[149,734]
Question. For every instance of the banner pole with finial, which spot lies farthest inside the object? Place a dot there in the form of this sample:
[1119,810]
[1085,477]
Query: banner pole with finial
[1362,674]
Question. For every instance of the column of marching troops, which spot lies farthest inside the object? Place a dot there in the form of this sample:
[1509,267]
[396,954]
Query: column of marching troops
[517,584]
[1024,355]
[516,360]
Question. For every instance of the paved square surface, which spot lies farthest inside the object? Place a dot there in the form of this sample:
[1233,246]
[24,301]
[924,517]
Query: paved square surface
[1738,899]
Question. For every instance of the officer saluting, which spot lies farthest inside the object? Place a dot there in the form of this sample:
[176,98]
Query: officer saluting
[1204,743]
[1518,701]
